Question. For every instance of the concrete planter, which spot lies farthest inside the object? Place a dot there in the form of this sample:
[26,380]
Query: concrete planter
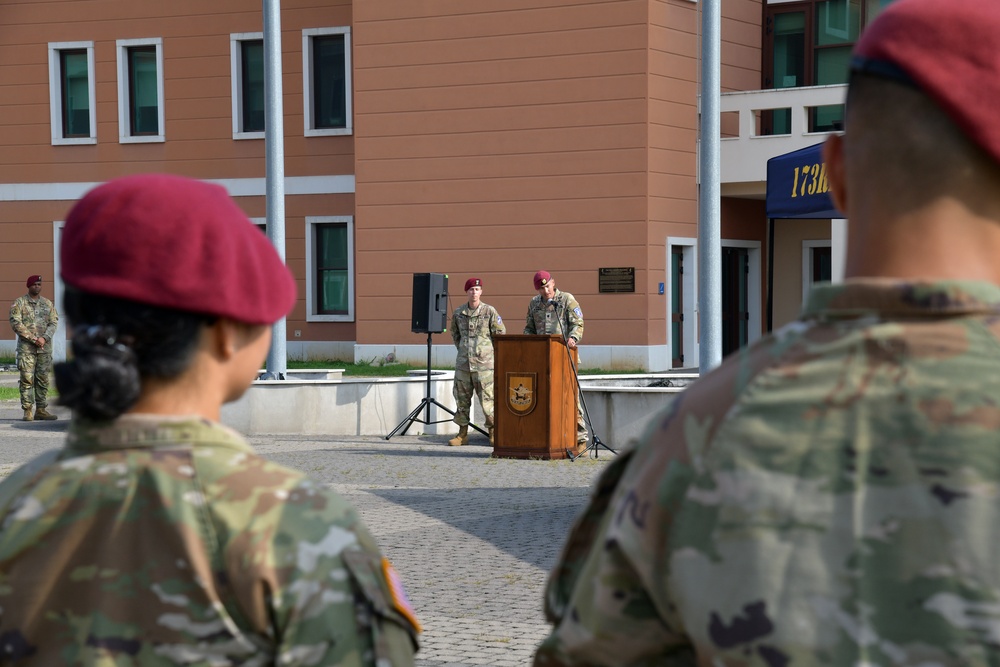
[620,407]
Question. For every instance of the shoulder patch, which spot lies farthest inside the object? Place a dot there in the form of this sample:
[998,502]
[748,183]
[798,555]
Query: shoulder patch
[499,319]
[578,312]
[400,601]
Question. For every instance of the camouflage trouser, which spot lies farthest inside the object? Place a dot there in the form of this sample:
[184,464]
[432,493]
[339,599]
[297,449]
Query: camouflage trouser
[35,367]
[581,423]
[465,384]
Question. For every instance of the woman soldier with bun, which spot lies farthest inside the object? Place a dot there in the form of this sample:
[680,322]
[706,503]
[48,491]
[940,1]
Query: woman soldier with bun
[156,536]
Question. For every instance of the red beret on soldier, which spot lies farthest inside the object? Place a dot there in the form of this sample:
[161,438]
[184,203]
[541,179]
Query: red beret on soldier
[943,48]
[178,243]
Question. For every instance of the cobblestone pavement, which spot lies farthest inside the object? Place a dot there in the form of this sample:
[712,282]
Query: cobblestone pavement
[472,536]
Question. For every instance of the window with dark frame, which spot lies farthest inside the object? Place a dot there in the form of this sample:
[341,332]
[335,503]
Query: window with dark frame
[329,82]
[809,44]
[735,299]
[252,85]
[332,269]
[822,264]
[144,118]
[74,89]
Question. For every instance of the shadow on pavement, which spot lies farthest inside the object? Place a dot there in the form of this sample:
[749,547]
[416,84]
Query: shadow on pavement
[468,451]
[53,427]
[530,524]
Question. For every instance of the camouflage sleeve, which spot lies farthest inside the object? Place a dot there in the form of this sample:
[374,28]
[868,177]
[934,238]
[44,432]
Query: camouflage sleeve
[456,335]
[304,569]
[17,321]
[575,317]
[601,612]
[53,323]
[23,477]
[497,327]
[529,320]
[341,602]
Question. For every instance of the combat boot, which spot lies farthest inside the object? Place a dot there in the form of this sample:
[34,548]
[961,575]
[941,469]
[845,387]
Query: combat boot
[492,431]
[28,416]
[462,438]
[43,414]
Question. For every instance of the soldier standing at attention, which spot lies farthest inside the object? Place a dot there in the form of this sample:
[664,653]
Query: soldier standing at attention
[554,312]
[473,326]
[829,495]
[34,319]
[157,536]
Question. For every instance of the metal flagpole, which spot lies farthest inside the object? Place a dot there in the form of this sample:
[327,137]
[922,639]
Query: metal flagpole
[709,193]
[274,142]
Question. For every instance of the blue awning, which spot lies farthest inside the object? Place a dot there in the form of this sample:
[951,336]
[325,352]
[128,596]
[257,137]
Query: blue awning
[797,185]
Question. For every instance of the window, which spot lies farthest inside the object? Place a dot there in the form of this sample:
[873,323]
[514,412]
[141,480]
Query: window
[817,264]
[809,44]
[140,90]
[330,269]
[326,67]
[741,294]
[71,93]
[247,51]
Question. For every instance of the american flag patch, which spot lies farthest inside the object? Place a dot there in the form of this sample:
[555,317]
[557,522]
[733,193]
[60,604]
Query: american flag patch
[400,601]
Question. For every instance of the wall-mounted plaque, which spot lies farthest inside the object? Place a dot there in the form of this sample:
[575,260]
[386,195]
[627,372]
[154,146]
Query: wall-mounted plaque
[618,279]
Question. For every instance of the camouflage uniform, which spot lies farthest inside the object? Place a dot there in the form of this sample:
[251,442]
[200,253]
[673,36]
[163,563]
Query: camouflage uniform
[168,541]
[473,332]
[564,318]
[828,496]
[29,320]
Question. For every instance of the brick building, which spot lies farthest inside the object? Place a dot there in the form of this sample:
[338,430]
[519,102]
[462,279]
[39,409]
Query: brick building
[453,136]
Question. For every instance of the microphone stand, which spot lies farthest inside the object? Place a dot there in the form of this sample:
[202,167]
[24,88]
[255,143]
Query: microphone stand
[595,442]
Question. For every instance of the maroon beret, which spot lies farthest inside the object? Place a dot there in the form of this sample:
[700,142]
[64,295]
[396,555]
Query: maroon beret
[32,280]
[178,243]
[542,278]
[949,51]
[473,282]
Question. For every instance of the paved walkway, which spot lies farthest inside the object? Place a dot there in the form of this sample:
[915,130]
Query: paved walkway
[473,537]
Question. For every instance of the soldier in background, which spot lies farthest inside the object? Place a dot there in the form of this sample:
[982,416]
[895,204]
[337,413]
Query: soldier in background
[553,312]
[157,536]
[829,495]
[34,319]
[473,326]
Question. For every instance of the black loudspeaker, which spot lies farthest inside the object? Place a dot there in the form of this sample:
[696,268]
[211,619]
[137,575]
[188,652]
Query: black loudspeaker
[430,303]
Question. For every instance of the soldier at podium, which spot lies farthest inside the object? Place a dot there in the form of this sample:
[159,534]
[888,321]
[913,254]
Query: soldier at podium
[473,326]
[552,311]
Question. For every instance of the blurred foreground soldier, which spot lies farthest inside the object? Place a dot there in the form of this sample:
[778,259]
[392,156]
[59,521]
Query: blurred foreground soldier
[473,326]
[552,311]
[829,496]
[34,319]
[156,536]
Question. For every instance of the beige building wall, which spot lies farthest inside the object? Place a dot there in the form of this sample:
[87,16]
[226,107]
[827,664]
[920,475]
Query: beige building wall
[489,140]
[494,140]
[198,122]
[789,236]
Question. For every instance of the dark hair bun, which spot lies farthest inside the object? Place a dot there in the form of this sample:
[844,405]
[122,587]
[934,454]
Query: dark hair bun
[102,379]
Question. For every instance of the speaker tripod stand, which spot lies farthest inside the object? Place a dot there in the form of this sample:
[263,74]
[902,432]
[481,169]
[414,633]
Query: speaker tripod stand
[425,406]
[595,444]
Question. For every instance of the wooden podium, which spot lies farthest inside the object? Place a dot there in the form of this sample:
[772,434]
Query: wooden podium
[535,396]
